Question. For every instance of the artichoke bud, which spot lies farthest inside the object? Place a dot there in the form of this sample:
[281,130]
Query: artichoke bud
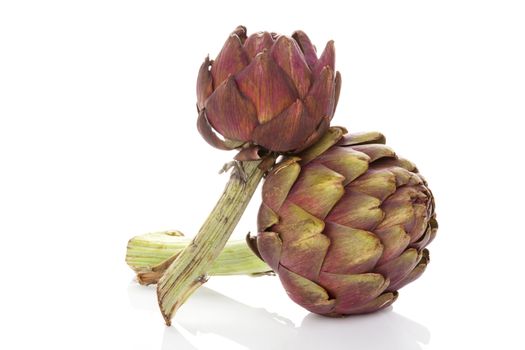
[345,224]
[267,90]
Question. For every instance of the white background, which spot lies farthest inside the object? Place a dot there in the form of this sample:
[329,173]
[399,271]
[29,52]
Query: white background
[98,143]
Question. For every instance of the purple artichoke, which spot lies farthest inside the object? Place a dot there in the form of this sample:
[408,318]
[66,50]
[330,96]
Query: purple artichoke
[345,225]
[268,90]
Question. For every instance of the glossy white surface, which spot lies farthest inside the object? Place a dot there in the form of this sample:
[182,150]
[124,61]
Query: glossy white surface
[98,143]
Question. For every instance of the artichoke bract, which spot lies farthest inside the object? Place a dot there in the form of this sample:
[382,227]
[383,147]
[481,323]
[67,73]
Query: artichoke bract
[267,90]
[345,224]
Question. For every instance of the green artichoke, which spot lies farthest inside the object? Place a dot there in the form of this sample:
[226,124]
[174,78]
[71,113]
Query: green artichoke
[267,90]
[345,224]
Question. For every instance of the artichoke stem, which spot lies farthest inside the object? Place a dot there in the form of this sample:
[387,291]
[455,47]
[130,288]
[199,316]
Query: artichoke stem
[189,270]
[149,255]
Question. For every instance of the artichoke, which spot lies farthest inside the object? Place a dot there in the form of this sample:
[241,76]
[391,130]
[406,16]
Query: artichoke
[345,224]
[267,90]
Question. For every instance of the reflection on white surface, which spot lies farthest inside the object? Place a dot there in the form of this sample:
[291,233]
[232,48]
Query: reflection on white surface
[213,318]
[383,330]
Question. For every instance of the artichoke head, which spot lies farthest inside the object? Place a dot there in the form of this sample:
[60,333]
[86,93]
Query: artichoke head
[267,90]
[345,224]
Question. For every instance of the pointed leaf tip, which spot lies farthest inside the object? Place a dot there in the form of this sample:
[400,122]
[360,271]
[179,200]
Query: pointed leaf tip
[321,97]
[241,32]
[258,42]
[288,56]
[327,59]
[306,46]
[230,60]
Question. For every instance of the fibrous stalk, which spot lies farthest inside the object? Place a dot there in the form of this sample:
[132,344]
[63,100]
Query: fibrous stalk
[149,255]
[189,270]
